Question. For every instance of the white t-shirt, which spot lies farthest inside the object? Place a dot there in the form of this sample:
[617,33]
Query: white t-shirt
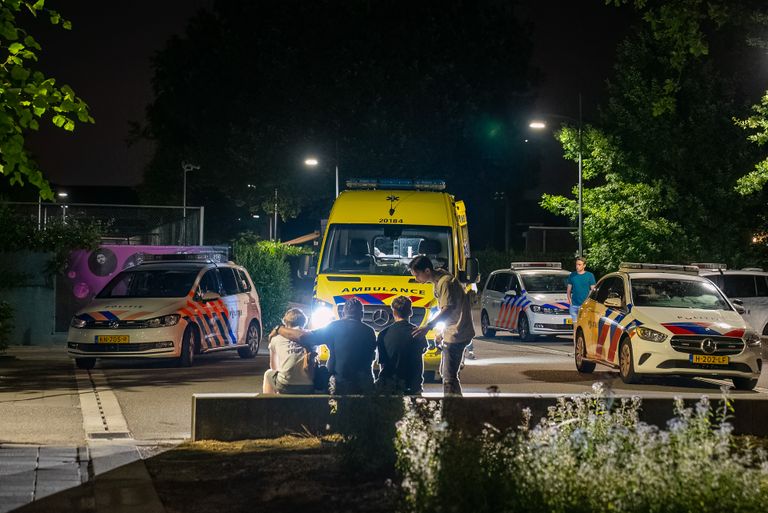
[290,362]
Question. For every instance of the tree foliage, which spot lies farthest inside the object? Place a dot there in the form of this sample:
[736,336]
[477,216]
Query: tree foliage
[27,96]
[416,89]
[757,124]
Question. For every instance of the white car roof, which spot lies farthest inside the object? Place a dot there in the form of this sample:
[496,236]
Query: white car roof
[734,272]
[664,275]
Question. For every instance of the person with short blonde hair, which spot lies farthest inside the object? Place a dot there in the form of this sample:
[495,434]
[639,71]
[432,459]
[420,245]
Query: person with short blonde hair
[289,372]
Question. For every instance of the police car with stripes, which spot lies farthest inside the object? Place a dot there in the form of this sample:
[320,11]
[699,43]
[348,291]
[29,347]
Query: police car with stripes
[169,306]
[528,299]
[655,319]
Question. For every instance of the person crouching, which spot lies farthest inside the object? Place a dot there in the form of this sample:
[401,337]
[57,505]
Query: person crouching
[290,369]
[401,361]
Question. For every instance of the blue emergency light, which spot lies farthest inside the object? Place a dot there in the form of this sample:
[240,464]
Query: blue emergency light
[396,183]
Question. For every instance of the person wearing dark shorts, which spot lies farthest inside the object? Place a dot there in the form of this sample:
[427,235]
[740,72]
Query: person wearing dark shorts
[352,347]
[455,312]
[401,364]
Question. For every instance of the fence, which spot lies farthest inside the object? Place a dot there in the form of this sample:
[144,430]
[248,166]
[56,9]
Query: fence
[152,225]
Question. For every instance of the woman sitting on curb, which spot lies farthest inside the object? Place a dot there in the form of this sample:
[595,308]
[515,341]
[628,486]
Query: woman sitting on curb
[290,364]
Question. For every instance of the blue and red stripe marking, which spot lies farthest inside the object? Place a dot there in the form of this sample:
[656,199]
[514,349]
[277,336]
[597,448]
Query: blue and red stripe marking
[699,328]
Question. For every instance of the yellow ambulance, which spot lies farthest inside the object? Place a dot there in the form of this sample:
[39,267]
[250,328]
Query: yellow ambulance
[375,229]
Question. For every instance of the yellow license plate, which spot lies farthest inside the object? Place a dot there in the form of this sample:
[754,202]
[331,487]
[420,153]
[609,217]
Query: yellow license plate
[709,359]
[112,339]
[568,320]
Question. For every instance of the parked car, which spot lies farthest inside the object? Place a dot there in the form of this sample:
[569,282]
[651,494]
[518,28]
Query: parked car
[528,299]
[745,287]
[651,319]
[172,307]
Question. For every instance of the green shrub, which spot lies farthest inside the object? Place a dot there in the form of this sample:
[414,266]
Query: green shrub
[591,453]
[266,263]
[6,324]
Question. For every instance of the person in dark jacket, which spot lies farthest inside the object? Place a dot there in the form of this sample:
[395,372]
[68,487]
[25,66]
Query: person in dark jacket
[401,361]
[352,347]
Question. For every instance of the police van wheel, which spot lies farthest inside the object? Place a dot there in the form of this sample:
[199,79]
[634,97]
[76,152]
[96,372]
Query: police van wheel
[85,363]
[627,363]
[524,329]
[580,355]
[744,383]
[429,376]
[485,324]
[252,338]
[187,357]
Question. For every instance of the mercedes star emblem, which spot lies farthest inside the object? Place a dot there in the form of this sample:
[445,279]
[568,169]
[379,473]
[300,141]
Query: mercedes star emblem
[708,346]
[114,324]
[380,317]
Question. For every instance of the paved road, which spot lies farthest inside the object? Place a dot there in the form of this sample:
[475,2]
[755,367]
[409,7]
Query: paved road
[40,399]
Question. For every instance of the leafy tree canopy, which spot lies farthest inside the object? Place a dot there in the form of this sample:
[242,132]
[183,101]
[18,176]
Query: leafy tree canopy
[417,89]
[27,96]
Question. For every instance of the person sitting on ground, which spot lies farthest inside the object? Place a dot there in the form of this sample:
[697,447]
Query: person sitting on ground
[400,353]
[290,364]
[352,346]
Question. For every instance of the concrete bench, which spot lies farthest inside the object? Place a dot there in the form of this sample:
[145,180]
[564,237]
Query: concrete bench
[229,417]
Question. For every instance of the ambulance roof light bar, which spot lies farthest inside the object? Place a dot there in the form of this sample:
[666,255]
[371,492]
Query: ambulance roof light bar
[396,183]
[710,266]
[659,268]
[535,265]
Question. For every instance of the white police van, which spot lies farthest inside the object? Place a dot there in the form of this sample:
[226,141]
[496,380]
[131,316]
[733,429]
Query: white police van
[172,306]
[744,287]
[529,299]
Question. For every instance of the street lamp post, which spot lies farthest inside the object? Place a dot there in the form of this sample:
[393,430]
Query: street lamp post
[313,162]
[539,125]
[186,167]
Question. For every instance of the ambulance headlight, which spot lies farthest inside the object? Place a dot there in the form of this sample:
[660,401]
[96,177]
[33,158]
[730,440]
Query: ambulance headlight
[77,322]
[164,321]
[322,314]
[651,335]
[440,327]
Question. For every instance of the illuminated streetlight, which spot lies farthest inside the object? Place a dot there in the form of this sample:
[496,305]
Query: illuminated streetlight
[311,162]
[539,125]
[62,194]
[314,162]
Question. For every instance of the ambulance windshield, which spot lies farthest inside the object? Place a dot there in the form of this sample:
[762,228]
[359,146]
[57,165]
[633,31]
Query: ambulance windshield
[384,249]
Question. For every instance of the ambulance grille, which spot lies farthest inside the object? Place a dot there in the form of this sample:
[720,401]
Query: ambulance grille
[379,317]
[691,344]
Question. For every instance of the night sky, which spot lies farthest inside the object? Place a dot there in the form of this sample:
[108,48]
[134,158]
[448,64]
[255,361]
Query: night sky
[106,59]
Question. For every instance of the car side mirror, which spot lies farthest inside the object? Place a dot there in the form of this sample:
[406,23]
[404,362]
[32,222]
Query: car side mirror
[614,302]
[210,296]
[512,292]
[738,304]
[471,272]
[306,268]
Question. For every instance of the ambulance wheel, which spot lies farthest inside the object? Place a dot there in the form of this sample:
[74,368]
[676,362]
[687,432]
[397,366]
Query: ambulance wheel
[85,363]
[252,338]
[580,355]
[485,324]
[524,329]
[429,376]
[627,363]
[187,356]
[744,383]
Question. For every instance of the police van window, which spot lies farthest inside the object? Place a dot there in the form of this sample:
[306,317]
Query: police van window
[210,282]
[245,285]
[384,249]
[492,282]
[762,286]
[502,281]
[739,285]
[717,280]
[514,284]
[611,287]
[229,281]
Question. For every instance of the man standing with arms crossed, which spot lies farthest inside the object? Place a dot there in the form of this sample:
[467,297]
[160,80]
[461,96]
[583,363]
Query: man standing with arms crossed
[580,283]
[455,312]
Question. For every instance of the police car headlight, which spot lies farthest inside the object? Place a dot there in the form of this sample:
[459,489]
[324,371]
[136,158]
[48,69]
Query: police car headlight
[77,322]
[164,321]
[322,314]
[535,308]
[752,339]
[651,335]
